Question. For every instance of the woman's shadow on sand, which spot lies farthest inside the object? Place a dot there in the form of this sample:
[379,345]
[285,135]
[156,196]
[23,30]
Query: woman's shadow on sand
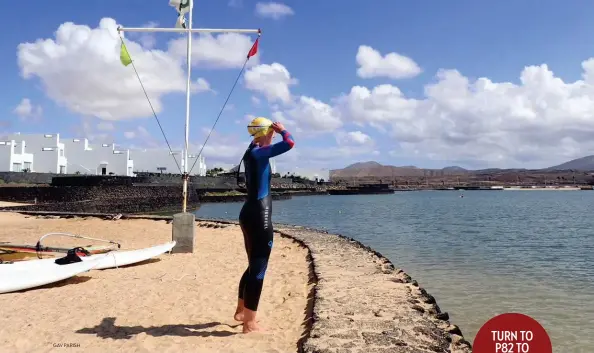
[108,329]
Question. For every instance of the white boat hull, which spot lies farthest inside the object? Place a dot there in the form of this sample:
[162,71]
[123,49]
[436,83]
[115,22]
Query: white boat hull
[128,257]
[34,273]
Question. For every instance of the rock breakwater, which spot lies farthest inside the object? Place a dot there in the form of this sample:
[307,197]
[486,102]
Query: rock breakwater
[361,303]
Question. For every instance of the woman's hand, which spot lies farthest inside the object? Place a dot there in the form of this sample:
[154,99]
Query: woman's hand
[278,127]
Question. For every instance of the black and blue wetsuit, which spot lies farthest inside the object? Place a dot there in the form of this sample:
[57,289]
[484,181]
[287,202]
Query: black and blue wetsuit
[254,217]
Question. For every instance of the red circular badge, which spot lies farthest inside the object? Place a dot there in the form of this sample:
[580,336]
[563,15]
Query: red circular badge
[512,333]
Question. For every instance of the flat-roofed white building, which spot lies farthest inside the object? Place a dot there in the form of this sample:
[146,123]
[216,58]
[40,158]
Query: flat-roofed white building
[14,158]
[48,153]
[163,161]
[47,150]
[103,159]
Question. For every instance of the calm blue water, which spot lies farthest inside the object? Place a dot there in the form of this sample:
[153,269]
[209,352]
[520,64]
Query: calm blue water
[488,253]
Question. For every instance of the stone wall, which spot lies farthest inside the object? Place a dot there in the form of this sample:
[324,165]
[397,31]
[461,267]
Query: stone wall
[39,193]
[221,182]
[95,180]
[50,194]
[113,206]
[114,199]
[27,178]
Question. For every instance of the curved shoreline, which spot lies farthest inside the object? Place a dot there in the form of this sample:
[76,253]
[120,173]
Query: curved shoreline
[357,301]
[415,323]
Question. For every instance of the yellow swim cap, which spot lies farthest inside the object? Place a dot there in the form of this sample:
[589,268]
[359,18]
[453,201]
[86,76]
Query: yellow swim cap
[259,127]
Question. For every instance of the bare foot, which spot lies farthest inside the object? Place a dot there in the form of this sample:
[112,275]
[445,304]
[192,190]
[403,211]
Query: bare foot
[252,326]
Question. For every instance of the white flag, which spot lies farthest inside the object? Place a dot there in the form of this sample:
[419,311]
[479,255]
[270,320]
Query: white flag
[182,7]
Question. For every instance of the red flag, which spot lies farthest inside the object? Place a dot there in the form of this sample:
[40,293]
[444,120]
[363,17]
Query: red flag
[254,49]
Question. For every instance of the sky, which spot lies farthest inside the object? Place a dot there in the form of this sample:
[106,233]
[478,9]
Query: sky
[425,83]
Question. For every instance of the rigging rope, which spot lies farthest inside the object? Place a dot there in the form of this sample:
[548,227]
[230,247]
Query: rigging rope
[219,116]
[154,113]
[251,53]
[39,248]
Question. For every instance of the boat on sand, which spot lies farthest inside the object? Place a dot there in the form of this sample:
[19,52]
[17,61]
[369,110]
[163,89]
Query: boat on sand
[40,250]
[50,250]
[20,275]
[127,257]
[15,276]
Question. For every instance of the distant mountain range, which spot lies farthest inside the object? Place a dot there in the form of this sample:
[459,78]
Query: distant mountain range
[372,168]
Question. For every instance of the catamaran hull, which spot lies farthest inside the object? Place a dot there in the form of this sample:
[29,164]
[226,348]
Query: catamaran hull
[128,257]
[35,273]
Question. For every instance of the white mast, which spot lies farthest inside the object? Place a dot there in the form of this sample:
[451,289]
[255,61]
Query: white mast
[185,175]
[189,30]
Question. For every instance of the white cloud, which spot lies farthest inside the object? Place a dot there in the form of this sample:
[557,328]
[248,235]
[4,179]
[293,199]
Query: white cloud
[353,138]
[392,65]
[143,137]
[80,69]
[201,85]
[25,110]
[223,148]
[89,129]
[314,115]
[316,158]
[255,100]
[383,103]
[147,39]
[538,122]
[290,124]
[223,51]
[272,81]
[273,10]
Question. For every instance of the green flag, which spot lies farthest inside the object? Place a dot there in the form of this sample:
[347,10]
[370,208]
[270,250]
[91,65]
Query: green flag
[124,55]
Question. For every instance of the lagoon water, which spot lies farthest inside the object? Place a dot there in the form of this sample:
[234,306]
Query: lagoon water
[487,253]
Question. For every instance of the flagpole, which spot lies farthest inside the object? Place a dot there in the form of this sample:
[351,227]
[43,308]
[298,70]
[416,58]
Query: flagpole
[187,124]
[189,30]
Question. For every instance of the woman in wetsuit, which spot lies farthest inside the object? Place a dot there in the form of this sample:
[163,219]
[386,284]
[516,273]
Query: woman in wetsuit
[254,217]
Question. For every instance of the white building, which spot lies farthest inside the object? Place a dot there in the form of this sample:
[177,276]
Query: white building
[13,157]
[104,159]
[163,161]
[200,168]
[47,150]
[47,153]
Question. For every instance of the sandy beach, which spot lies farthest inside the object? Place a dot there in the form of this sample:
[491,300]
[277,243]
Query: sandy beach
[178,303]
